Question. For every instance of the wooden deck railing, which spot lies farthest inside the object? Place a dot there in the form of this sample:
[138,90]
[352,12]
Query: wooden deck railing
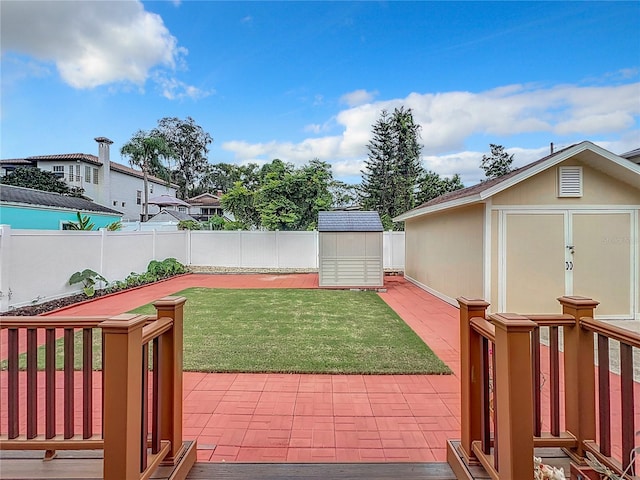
[132,448]
[502,384]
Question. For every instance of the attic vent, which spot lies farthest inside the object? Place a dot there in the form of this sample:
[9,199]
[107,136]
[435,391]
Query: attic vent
[570,181]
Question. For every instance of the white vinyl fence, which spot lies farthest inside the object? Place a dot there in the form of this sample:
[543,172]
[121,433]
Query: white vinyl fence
[35,265]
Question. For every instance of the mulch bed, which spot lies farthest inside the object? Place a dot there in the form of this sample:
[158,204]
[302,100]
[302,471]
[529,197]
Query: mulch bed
[39,309]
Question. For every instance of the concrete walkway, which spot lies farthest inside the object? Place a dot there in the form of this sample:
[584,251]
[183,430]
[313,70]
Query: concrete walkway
[319,418]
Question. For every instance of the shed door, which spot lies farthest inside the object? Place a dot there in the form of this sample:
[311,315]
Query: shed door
[545,255]
[534,268]
[602,261]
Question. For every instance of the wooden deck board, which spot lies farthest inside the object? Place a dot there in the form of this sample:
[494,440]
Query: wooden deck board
[87,465]
[324,471]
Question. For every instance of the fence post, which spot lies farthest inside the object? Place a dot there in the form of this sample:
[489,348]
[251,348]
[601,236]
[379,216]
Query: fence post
[5,255]
[579,377]
[171,361]
[122,376]
[470,376]
[514,395]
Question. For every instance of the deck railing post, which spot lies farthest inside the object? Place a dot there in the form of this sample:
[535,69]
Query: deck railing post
[514,394]
[122,372]
[579,378]
[170,363]
[470,376]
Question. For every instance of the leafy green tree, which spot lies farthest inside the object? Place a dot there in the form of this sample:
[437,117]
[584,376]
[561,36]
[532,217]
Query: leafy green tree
[393,167]
[240,202]
[33,177]
[279,196]
[432,185]
[497,163]
[145,151]
[279,214]
[189,144]
[343,195]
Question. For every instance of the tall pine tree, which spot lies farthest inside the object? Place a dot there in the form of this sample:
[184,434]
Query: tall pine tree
[392,169]
[407,167]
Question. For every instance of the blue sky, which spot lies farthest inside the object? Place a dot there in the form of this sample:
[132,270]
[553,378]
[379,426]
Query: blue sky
[304,80]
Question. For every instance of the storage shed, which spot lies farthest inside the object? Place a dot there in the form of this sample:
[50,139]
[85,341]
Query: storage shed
[567,224]
[350,249]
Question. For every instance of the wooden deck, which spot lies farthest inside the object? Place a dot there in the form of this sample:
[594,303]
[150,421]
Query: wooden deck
[87,465]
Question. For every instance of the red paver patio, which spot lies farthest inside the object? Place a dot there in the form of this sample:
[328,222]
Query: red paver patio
[317,418]
[299,418]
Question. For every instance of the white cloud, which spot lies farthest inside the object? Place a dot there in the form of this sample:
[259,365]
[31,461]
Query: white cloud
[174,89]
[564,113]
[92,43]
[357,97]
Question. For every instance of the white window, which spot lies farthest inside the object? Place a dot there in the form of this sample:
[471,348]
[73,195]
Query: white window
[71,173]
[115,203]
[87,174]
[77,173]
[95,176]
[139,197]
[569,181]
[58,171]
[182,209]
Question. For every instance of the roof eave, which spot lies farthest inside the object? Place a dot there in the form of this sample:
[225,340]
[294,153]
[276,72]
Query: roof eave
[458,202]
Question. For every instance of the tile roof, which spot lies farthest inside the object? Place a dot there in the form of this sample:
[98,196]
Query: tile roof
[349,222]
[205,200]
[29,196]
[85,157]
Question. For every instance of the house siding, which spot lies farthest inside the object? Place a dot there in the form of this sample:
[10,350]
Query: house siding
[444,252]
[121,188]
[34,218]
[598,189]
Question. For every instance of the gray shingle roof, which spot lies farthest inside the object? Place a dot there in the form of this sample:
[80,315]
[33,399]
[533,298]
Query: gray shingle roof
[180,216]
[28,196]
[349,222]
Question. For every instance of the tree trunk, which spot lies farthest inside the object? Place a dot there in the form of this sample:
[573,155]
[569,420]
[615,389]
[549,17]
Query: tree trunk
[146,196]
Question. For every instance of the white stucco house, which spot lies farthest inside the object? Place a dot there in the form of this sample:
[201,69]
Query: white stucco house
[105,182]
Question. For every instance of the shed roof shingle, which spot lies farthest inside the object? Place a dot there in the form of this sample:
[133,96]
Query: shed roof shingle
[349,222]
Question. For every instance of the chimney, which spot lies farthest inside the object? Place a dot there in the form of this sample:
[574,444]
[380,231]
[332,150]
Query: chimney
[104,188]
[551,148]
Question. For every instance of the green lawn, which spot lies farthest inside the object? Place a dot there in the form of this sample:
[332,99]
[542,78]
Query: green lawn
[287,330]
[303,331]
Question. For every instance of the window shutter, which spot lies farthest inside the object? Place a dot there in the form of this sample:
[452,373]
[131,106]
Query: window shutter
[570,181]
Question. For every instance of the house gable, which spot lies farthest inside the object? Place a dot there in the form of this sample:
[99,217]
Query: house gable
[598,188]
[585,153]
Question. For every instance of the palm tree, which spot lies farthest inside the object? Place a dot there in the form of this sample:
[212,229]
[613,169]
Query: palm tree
[144,151]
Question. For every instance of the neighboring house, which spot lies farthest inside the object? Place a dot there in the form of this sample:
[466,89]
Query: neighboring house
[25,208]
[105,182]
[170,215]
[633,155]
[566,224]
[206,205]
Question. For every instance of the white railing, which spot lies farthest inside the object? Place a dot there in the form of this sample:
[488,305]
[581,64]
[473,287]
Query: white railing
[35,265]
